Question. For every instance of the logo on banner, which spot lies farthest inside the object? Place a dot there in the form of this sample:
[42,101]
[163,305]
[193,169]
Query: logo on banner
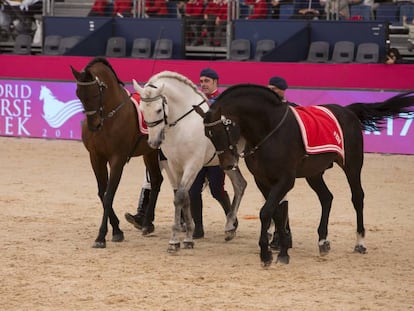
[56,112]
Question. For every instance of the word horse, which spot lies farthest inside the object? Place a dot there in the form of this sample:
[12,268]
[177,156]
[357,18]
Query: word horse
[166,102]
[112,135]
[275,152]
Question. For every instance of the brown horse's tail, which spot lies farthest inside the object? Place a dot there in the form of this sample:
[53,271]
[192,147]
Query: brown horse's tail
[372,115]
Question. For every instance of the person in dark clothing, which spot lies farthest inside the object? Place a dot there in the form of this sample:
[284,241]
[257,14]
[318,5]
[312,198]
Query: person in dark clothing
[213,174]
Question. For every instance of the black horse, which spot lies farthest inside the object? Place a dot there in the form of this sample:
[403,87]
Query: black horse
[112,136]
[254,118]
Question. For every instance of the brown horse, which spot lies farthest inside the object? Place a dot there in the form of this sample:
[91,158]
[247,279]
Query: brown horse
[112,136]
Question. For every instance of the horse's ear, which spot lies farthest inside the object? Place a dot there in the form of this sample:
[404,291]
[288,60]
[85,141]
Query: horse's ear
[199,111]
[75,72]
[137,87]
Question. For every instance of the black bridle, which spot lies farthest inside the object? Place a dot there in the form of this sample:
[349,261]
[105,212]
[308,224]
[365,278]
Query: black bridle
[165,117]
[101,87]
[233,134]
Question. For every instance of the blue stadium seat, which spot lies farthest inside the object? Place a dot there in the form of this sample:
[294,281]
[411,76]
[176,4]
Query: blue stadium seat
[286,11]
[361,10]
[318,52]
[367,52]
[388,12]
[406,10]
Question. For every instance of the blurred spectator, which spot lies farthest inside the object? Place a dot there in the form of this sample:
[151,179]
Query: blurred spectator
[373,4]
[101,8]
[194,20]
[275,9]
[211,13]
[308,9]
[19,16]
[337,9]
[259,9]
[32,7]
[410,27]
[221,24]
[122,8]
[393,57]
[180,8]
[156,8]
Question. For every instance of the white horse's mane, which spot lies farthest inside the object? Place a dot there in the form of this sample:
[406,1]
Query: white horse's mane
[177,76]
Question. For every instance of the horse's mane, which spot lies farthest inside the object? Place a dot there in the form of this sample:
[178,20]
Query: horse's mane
[104,61]
[248,87]
[175,75]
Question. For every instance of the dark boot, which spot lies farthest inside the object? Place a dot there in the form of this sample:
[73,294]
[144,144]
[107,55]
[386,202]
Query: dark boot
[226,205]
[197,214]
[275,243]
[138,219]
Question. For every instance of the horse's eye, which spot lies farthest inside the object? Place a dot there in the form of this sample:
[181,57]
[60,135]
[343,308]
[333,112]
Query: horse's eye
[210,133]
[159,111]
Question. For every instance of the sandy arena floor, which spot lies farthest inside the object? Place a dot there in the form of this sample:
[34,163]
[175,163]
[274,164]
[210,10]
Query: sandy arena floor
[50,215]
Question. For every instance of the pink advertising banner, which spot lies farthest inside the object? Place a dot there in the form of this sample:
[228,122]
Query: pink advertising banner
[39,109]
[48,109]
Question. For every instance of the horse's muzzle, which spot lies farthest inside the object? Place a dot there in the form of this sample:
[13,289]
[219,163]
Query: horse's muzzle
[156,142]
[228,161]
[154,145]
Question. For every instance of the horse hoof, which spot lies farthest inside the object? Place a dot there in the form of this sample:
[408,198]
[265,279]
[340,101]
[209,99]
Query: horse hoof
[118,237]
[360,249]
[173,247]
[266,264]
[99,244]
[229,235]
[148,230]
[266,259]
[283,259]
[324,248]
[188,244]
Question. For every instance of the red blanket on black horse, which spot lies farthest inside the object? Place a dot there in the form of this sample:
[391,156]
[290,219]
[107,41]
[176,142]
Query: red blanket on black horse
[320,129]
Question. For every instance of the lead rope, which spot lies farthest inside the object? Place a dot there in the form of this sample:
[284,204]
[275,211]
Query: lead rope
[184,115]
[244,154]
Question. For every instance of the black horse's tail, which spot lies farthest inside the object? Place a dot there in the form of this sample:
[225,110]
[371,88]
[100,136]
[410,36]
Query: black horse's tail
[372,115]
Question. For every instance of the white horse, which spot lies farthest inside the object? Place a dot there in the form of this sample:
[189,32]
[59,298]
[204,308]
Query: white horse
[167,104]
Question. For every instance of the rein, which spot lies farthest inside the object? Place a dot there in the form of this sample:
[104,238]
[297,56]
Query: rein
[164,102]
[253,150]
[186,114]
[102,86]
